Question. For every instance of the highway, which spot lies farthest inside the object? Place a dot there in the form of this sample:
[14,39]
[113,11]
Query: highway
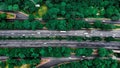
[46,33]
[54,43]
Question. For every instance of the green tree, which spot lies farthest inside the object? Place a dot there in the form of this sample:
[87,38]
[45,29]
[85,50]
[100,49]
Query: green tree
[31,17]
[88,52]
[15,7]
[3,6]
[10,26]
[111,11]
[52,24]
[91,11]
[107,27]
[67,16]
[83,52]
[78,25]
[66,51]
[97,62]
[108,39]
[3,25]
[96,39]
[10,7]
[69,26]
[36,25]
[63,4]
[18,25]
[63,12]
[61,25]
[49,4]
[102,12]
[87,25]
[102,52]
[57,52]
[9,1]
[42,52]
[97,24]
[3,16]
[51,14]
[26,24]
[115,17]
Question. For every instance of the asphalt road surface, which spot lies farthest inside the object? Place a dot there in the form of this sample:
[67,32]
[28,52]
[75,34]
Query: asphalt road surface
[54,43]
[56,61]
[45,33]
[19,15]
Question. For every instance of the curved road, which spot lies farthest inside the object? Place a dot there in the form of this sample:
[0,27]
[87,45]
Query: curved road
[55,61]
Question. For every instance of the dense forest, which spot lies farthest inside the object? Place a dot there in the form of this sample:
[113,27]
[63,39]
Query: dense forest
[67,8]
[71,10]
[18,5]
[82,9]
[32,56]
[78,9]
[53,25]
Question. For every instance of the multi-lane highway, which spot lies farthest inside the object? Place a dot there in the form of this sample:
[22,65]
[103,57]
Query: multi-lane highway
[54,43]
[45,33]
